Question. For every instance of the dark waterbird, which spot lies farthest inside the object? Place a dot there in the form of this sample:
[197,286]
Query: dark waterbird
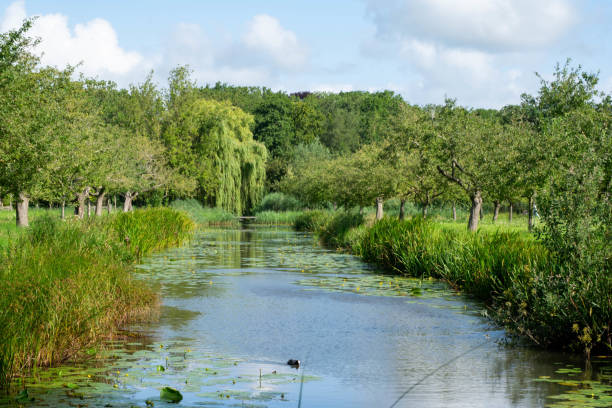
[294,363]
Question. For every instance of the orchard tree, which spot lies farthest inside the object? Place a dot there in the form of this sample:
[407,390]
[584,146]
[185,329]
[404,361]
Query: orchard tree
[414,158]
[31,116]
[471,148]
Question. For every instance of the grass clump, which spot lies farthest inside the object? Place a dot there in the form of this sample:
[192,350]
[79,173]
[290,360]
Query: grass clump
[66,285]
[205,216]
[311,220]
[279,202]
[277,217]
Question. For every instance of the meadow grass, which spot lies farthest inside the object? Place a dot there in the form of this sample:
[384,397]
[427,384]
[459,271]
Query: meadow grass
[8,227]
[67,284]
[276,217]
[205,216]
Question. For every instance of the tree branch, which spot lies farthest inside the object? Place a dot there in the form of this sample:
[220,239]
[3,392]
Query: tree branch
[452,178]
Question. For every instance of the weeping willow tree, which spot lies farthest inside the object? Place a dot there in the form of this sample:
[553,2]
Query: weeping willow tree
[218,150]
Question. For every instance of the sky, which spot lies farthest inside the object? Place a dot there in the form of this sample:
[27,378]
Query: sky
[484,53]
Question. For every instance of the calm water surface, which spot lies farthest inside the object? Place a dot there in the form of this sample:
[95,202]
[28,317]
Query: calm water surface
[237,304]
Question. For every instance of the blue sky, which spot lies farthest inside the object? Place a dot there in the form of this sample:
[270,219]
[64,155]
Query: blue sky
[482,52]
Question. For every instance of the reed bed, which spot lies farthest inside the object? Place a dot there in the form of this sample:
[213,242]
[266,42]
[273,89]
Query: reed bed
[276,217]
[67,285]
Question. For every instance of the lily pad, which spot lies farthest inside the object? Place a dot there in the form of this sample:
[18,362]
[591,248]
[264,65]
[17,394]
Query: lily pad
[170,395]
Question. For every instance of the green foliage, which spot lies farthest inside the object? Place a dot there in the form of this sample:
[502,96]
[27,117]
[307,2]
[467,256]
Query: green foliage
[221,153]
[66,285]
[279,202]
[151,229]
[276,218]
[225,160]
[354,180]
[311,220]
[335,230]
[204,216]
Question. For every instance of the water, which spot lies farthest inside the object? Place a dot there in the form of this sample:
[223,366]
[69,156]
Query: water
[237,304]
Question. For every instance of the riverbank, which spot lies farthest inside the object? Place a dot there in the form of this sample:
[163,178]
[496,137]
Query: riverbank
[526,289]
[67,285]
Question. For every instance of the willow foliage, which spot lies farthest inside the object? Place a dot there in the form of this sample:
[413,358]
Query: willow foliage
[228,164]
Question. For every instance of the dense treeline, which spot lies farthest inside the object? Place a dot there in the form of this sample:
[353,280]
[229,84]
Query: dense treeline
[75,140]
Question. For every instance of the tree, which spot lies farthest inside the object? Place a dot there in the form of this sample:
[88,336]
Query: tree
[31,115]
[414,155]
[471,148]
[227,163]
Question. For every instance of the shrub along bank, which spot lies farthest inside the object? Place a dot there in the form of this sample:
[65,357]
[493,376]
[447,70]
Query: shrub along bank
[526,287]
[66,285]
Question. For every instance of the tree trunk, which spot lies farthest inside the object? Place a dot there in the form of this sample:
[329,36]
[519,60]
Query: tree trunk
[425,210]
[531,204]
[127,204]
[481,213]
[50,205]
[23,203]
[379,208]
[115,202]
[475,211]
[100,202]
[109,205]
[454,212]
[510,208]
[496,211]
[88,207]
[63,209]
[81,197]
[401,212]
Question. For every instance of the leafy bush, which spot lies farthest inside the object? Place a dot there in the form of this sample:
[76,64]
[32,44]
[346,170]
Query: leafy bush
[335,231]
[279,202]
[204,215]
[311,220]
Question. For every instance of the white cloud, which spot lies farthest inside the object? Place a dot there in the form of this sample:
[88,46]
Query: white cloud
[261,55]
[13,16]
[264,52]
[266,35]
[474,50]
[94,44]
[491,25]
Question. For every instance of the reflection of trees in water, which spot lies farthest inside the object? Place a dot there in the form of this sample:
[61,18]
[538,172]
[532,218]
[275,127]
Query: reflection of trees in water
[249,247]
[516,368]
[501,375]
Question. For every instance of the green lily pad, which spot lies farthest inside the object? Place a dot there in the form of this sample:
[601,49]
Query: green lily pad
[170,395]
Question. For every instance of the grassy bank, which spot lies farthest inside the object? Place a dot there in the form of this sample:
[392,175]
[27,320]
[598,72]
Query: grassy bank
[68,284]
[205,216]
[526,288]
